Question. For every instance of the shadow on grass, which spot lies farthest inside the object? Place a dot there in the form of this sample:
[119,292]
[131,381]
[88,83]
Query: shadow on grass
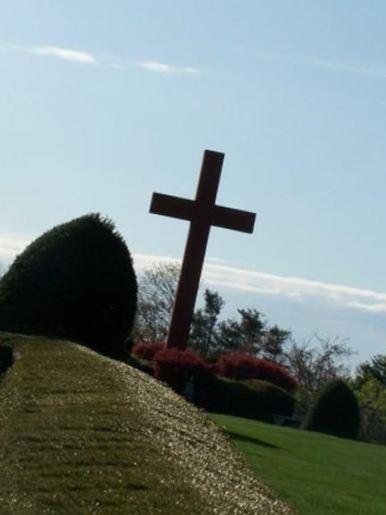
[6,358]
[136,486]
[250,439]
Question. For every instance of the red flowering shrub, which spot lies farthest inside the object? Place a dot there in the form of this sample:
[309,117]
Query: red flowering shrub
[147,350]
[174,366]
[239,365]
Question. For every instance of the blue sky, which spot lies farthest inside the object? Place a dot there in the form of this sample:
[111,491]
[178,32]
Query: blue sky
[103,103]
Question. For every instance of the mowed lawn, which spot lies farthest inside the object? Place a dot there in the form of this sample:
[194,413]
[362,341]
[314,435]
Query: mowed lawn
[84,434]
[315,473]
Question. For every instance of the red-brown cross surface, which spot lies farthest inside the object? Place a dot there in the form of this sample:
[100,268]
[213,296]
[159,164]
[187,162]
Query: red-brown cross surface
[202,214]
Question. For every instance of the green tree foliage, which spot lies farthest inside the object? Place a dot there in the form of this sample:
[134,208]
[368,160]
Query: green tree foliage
[203,334]
[273,342]
[373,369]
[210,335]
[75,281]
[244,334]
[336,412]
[250,333]
[371,396]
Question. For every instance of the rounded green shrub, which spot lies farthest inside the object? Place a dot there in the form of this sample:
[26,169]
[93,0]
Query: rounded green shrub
[336,412]
[76,281]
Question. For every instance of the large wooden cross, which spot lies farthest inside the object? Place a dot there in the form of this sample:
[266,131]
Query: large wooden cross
[202,214]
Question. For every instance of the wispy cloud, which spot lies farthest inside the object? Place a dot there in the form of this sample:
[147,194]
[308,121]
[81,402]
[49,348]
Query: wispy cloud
[155,66]
[103,59]
[68,54]
[216,274]
[10,246]
[292,288]
[368,307]
[378,72]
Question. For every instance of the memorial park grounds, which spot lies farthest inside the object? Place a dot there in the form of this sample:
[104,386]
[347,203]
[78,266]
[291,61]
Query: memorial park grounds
[82,430]
[52,426]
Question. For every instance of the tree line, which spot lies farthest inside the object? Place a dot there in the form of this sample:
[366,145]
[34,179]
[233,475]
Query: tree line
[315,363]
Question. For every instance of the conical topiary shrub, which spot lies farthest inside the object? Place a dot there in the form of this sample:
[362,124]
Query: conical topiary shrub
[75,281]
[336,412]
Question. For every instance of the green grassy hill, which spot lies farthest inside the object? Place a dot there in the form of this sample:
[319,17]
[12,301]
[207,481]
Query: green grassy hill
[80,433]
[315,473]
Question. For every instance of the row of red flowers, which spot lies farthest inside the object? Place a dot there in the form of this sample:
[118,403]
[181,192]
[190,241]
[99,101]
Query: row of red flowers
[171,365]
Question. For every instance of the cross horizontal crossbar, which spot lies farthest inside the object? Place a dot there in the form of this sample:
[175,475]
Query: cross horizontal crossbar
[202,213]
[219,216]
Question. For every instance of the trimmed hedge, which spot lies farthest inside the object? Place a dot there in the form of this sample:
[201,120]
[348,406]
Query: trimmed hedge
[252,398]
[76,281]
[239,365]
[336,412]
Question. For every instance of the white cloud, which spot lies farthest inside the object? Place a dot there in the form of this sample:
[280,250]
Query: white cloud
[378,72]
[164,68]
[193,71]
[10,246]
[370,308]
[103,59]
[144,261]
[251,281]
[65,53]
[292,288]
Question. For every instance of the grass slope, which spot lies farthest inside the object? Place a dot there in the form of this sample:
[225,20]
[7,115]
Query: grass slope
[80,433]
[315,473]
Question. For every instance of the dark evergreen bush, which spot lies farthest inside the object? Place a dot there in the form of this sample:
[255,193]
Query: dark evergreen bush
[75,281]
[336,412]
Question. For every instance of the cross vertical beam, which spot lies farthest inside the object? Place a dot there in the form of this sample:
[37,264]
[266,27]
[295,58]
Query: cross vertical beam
[195,249]
[202,214]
